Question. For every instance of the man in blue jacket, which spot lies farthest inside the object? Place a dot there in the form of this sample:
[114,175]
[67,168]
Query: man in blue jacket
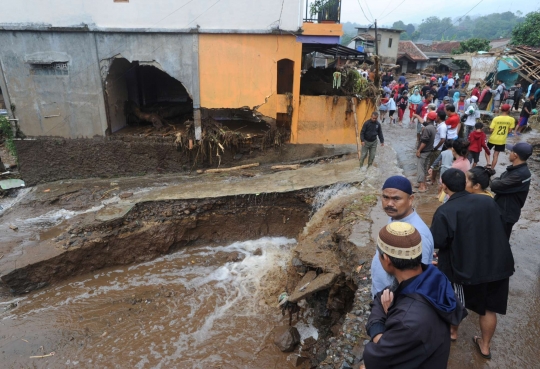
[443,92]
[410,322]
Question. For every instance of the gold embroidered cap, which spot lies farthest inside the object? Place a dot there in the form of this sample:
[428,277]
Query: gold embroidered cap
[400,240]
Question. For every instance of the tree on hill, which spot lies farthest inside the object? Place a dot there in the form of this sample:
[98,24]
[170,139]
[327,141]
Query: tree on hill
[491,26]
[434,28]
[409,30]
[528,32]
[472,45]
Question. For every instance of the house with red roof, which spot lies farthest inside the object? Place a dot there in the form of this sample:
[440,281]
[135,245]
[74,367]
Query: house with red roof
[410,57]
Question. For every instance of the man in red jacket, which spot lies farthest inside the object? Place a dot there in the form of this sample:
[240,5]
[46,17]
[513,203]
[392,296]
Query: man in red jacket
[452,122]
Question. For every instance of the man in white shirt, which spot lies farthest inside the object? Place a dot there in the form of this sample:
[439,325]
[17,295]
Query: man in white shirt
[451,82]
[473,113]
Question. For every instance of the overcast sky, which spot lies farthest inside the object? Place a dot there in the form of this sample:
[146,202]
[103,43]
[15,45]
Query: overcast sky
[413,11]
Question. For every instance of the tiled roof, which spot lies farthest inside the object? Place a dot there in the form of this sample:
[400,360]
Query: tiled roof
[364,36]
[440,46]
[408,48]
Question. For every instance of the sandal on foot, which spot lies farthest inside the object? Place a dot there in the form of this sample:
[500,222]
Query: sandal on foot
[475,340]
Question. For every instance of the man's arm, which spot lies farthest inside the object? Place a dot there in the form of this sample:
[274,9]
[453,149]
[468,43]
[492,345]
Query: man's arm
[379,133]
[398,345]
[440,230]
[508,184]
[363,131]
[441,142]
[377,318]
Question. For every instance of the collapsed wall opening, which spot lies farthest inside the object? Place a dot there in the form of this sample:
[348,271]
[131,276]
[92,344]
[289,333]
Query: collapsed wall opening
[140,95]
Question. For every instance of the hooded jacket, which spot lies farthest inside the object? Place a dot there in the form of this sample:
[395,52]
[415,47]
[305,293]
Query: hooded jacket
[511,190]
[416,329]
[469,231]
[478,142]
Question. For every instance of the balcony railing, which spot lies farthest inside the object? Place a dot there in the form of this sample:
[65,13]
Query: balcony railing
[323,11]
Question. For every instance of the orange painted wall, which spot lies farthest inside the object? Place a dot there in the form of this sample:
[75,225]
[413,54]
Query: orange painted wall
[237,70]
[241,70]
[323,122]
[322,29]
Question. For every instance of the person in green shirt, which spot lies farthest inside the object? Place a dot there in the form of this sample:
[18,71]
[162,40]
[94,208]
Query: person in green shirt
[500,127]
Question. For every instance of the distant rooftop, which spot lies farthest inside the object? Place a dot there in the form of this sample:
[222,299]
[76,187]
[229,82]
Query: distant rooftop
[381,29]
[411,51]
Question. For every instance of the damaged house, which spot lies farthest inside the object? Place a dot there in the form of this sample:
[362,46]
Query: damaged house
[114,88]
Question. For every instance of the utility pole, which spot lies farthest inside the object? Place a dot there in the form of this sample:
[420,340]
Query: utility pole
[376,39]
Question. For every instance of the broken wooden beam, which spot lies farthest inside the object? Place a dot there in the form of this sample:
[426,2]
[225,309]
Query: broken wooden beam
[221,170]
[286,167]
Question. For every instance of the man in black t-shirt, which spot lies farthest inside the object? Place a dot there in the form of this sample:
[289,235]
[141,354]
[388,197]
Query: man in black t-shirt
[525,114]
[426,88]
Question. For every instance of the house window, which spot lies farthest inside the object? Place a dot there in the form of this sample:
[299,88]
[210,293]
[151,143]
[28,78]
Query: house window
[52,69]
[390,42]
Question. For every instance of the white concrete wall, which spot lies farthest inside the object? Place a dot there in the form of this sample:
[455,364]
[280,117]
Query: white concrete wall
[167,15]
[384,50]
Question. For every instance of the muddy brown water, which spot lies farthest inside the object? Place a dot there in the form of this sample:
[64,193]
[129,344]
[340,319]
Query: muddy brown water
[193,309]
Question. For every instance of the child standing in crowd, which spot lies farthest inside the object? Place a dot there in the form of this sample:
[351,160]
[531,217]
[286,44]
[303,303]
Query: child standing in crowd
[460,149]
[388,105]
[402,104]
[477,138]
[445,159]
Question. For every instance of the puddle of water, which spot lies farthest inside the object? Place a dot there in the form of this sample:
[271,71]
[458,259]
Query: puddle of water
[192,309]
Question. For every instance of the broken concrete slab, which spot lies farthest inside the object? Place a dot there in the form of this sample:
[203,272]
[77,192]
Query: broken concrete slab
[360,233]
[8,184]
[322,282]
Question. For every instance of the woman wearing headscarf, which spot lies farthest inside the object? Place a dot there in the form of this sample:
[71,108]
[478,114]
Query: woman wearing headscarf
[414,100]
[456,98]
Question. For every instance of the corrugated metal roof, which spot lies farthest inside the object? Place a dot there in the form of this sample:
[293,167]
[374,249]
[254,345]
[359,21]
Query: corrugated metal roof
[335,50]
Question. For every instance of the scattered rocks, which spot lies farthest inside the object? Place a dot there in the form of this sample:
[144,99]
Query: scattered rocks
[258,252]
[311,283]
[235,257]
[286,338]
[296,360]
[125,195]
[346,348]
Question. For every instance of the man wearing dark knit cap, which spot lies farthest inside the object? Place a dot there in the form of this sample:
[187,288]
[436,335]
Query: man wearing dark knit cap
[410,322]
[397,201]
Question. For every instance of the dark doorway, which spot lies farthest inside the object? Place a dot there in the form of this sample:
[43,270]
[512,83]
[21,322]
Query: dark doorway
[144,95]
[285,76]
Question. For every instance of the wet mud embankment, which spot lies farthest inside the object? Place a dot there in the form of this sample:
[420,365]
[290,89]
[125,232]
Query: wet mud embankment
[151,229]
[329,274]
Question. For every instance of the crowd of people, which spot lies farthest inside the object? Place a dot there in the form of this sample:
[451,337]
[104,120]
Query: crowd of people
[426,279]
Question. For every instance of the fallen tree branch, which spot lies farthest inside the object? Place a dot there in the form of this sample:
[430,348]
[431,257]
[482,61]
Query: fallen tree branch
[220,170]
[291,167]
[42,356]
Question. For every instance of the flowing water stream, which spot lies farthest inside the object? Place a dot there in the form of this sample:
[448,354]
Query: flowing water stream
[202,307]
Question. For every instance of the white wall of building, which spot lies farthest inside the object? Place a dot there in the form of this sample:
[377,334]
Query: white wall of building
[166,15]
